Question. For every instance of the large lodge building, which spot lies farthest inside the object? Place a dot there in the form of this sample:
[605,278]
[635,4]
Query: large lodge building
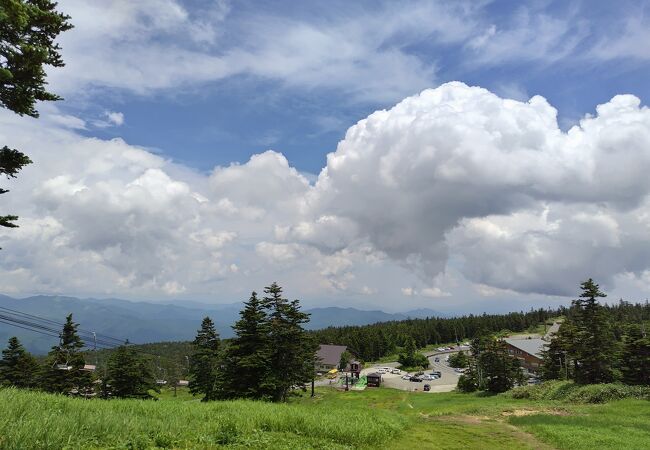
[527,351]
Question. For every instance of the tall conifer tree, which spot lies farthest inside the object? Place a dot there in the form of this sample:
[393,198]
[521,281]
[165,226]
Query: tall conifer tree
[63,370]
[635,357]
[17,367]
[127,375]
[292,350]
[245,367]
[204,361]
[594,345]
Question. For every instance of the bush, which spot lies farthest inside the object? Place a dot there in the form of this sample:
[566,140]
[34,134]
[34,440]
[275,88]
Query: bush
[570,392]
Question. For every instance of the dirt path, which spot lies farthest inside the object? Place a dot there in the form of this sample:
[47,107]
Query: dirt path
[527,440]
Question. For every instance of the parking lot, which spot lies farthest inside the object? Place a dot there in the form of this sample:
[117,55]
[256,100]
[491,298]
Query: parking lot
[446,383]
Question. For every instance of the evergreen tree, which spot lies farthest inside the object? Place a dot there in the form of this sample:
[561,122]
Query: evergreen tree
[128,375]
[594,345]
[17,367]
[490,368]
[245,366]
[500,370]
[459,360]
[27,34]
[410,357]
[292,351]
[204,361]
[635,357]
[469,381]
[558,357]
[63,369]
[346,357]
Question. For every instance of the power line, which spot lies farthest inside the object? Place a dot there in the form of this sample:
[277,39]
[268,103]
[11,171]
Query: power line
[47,327]
[79,330]
[30,322]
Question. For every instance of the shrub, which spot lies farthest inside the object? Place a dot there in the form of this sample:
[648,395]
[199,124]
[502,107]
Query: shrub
[570,392]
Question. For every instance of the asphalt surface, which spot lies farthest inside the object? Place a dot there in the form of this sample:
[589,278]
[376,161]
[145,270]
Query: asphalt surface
[446,383]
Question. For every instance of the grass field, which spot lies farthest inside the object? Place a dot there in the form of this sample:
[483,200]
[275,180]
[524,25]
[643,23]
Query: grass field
[369,419]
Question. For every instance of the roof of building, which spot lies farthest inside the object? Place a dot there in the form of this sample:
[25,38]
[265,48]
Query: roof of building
[373,375]
[531,346]
[330,354]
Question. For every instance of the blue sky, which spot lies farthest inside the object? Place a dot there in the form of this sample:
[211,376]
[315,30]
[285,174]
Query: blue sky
[189,159]
[217,122]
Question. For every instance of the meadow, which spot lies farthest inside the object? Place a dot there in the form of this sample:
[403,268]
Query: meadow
[368,419]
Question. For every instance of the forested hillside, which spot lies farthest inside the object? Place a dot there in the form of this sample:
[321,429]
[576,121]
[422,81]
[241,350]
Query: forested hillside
[371,342]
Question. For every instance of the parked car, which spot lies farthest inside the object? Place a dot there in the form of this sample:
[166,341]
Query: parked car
[436,373]
[459,370]
[427,387]
[396,371]
[436,359]
[416,379]
[406,377]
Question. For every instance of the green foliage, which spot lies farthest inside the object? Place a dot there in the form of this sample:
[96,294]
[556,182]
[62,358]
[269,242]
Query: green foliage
[373,342]
[410,357]
[27,33]
[292,350]
[205,360]
[337,420]
[558,357]
[594,346]
[271,354]
[127,375]
[568,391]
[459,360]
[163,358]
[17,367]
[245,364]
[586,347]
[63,371]
[635,357]
[346,357]
[11,161]
[29,28]
[53,422]
[491,368]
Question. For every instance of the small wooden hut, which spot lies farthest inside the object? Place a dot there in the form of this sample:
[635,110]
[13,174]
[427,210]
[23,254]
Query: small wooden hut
[373,379]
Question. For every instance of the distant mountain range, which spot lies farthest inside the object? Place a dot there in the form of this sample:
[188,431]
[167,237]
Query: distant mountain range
[142,322]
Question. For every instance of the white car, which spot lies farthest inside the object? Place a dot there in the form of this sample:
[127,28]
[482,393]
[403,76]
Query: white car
[381,370]
[406,377]
[396,371]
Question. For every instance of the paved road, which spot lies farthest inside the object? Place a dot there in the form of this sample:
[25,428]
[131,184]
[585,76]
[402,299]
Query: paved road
[446,383]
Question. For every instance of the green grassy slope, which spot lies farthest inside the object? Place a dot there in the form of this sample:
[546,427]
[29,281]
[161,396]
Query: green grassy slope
[369,419]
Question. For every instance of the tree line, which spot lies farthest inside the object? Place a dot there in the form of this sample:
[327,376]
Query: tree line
[599,343]
[371,342]
[270,357]
[594,344]
[64,370]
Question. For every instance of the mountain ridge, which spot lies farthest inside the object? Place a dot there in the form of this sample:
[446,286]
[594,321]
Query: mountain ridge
[145,322]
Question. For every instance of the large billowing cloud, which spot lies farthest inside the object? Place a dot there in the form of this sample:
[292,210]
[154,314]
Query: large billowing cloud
[453,179]
[459,170]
